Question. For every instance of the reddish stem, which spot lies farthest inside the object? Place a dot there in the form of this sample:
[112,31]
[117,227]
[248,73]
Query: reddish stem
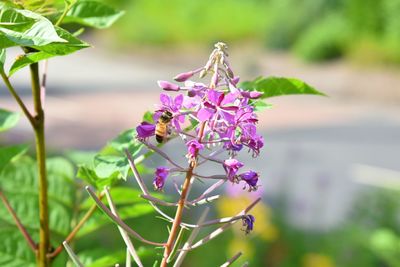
[19,224]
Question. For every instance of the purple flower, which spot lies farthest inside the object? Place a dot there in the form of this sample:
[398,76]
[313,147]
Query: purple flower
[231,167]
[183,76]
[248,222]
[173,105]
[161,175]
[251,178]
[193,147]
[167,86]
[145,129]
[218,106]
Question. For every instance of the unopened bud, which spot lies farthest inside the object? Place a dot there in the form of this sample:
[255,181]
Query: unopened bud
[167,86]
[183,76]
[251,94]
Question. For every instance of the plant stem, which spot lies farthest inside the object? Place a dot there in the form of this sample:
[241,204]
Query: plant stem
[19,224]
[181,206]
[44,233]
[17,98]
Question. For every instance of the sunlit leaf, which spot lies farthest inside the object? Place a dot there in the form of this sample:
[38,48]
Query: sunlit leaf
[8,119]
[51,50]
[277,86]
[8,153]
[25,28]
[92,13]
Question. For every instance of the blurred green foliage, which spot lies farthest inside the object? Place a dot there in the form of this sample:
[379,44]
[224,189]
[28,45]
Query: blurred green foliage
[316,30]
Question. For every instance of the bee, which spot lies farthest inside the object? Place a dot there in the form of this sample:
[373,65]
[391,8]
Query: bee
[162,126]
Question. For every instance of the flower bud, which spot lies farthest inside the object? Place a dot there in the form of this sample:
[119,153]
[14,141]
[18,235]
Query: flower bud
[248,222]
[251,94]
[183,76]
[167,86]
[161,175]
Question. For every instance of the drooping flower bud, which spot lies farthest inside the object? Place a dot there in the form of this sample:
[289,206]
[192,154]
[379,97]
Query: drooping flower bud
[145,129]
[161,175]
[231,167]
[183,76]
[167,86]
[248,222]
[251,178]
[251,94]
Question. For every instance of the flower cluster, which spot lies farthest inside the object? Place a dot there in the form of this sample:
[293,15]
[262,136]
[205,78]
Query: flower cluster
[221,111]
[203,114]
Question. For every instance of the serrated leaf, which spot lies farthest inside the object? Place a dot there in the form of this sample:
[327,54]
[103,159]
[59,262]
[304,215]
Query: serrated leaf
[19,183]
[89,175]
[93,14]
[73,44]
[8,153]
[14,250]
[8,119]
[277,86]
[25,28]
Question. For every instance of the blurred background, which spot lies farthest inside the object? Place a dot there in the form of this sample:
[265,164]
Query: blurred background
[330,167]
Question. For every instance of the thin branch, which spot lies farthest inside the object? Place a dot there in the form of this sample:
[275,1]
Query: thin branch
[211,155]
[162,153]
[19,224]
[205,200]
[118,221]
[222,228]
[18,99]
[146,191]
[232,260]
[158,201]
[72,255]
[125,237]
[211,159]
[189,241]
[76,229]
[208,191]
[214,177]
[128,258]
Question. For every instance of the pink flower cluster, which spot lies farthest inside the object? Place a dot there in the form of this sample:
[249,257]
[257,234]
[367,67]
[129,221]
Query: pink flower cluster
[222,108]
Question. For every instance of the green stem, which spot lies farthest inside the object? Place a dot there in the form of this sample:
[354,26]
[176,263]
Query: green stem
[44,233]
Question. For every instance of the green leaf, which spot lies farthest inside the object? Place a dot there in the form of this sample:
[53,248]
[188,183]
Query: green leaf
[73,44]
[2,59]
[8,119]
[101,257]
[148,116]
[260,105]
[93,14]
[20,27]
[99,220]
[18,181]
[89,175]
[9,153]
[108,165]
[14,250]
[276,86]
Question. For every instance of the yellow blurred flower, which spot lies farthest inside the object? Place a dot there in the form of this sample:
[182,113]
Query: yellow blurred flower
[317,260]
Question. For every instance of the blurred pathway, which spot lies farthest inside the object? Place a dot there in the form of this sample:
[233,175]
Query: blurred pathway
[312,143]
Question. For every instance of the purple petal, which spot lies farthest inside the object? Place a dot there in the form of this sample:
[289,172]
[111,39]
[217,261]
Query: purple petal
[145,129]
[165,100]
[205,114]
[178,101]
